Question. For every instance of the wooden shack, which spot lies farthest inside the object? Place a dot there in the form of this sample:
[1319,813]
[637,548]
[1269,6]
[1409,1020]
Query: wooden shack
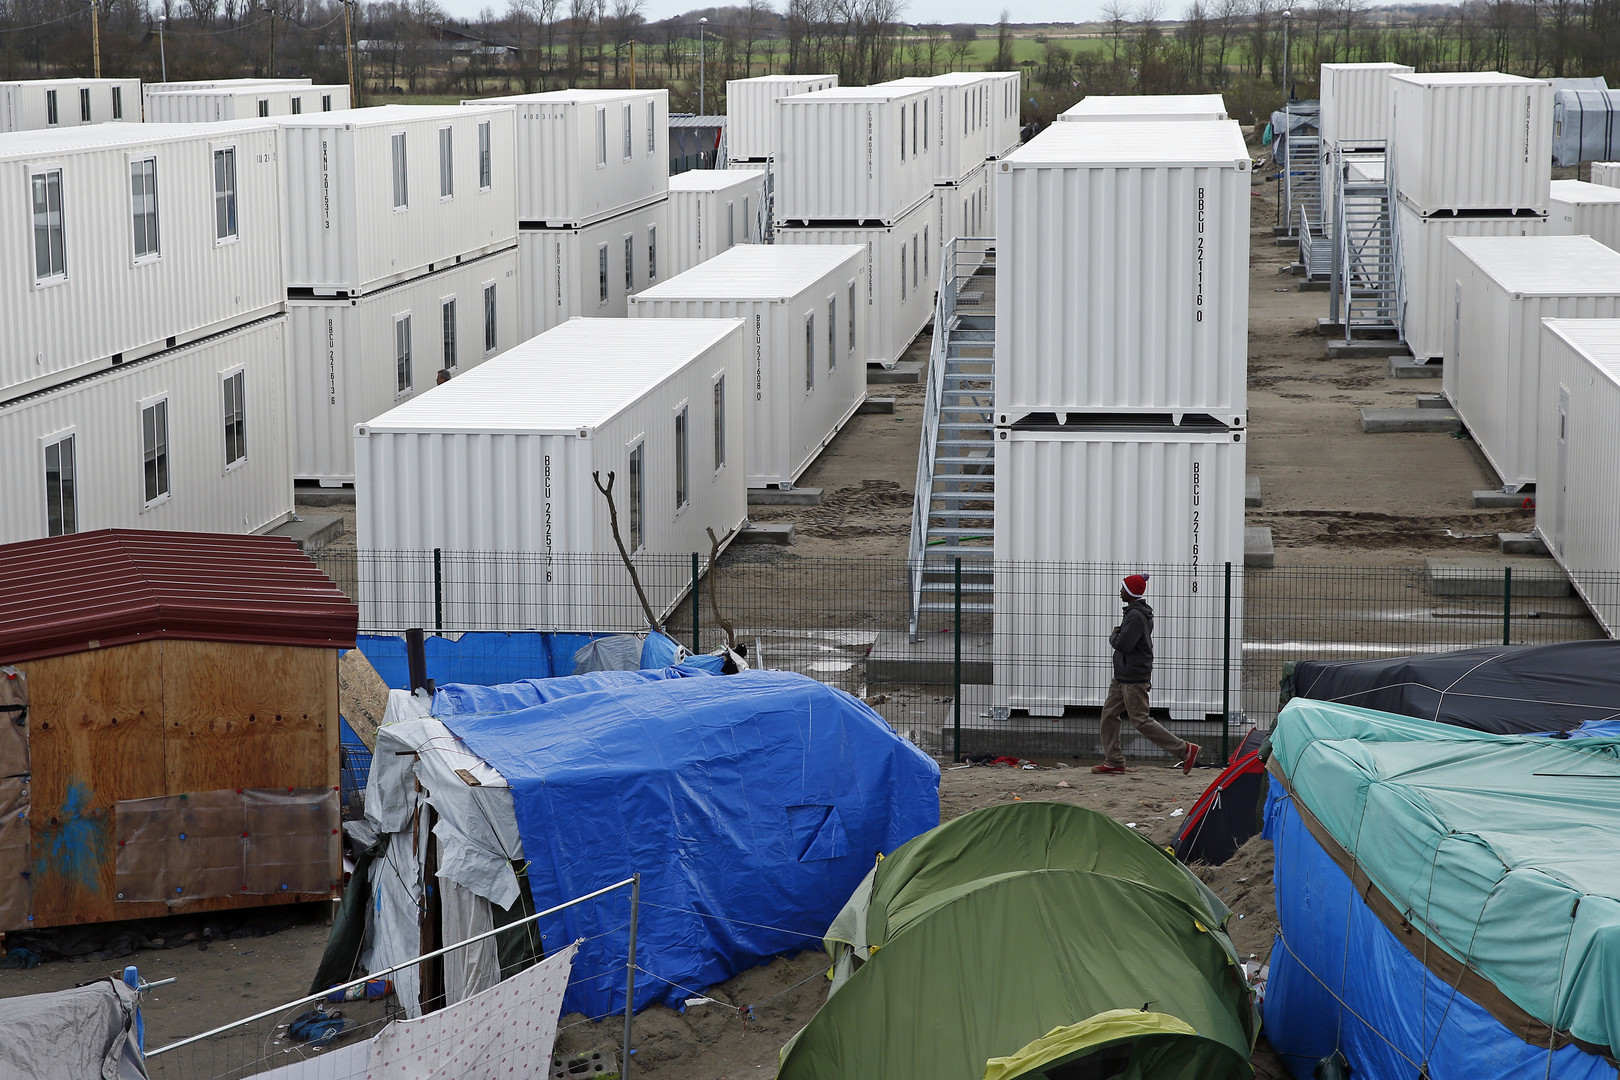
[168,726]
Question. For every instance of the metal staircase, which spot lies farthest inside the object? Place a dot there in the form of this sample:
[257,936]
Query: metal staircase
[953,515]
[1366,270]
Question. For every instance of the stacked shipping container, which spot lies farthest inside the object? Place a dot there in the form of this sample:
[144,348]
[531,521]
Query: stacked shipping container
[751,112]
[201,105]
[963,107]
[710,210]
[1147,108]
[38,104]
[1121,400]
[1581,209]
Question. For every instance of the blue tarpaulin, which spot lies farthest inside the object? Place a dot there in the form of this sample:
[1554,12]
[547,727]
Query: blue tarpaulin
[751,805]
[492,657]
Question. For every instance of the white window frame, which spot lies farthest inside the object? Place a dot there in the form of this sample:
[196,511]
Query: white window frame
[84,104]
[137,257]
[264,107]
[902,131]
[399,152]
[652,127]
[54,276]
[748,222]
[601,136]
[447,163]
[681,426]
[809,353]
[925,246]
[326,103]
[297,105]
[57,438]
[52,116]
[916,281]
[449,333]
[652,253]
[118,103]
[603,286]
[832,333]
[486,156]
[492,326]
[902,271]
[925,121]
[226,377]
[635,490]
[231,195]
[717,391]
[731,223]
[852,317]
[629,263]
[163,453]
[404,355]
[629,141]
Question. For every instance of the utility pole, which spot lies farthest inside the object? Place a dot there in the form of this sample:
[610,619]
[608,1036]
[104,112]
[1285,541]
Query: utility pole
[95,34]
[348,50]
[163,57]
[1288,19]
[702,82]
[270,11]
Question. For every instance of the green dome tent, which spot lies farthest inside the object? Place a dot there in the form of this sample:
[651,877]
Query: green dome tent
[1030,940]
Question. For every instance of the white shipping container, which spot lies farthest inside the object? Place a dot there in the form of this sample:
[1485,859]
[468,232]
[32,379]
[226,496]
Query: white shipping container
[1355,102]
[1076,510]
[1606,173]
[591,272]
[354,358]
[805,328]
[202,106]
[1006,108]
[1425,291]
[1471,141]
[710,210]
[1123,271]
[1578,498]
[965,209]
[902,272]
[149,89]
[751,111]
[586,155]
[1501,290]
[210,456]
[37,104]
[855,155]
[102,275]
[961,116]
[502,459]
[378,195]
[1582,209]
[1147,108]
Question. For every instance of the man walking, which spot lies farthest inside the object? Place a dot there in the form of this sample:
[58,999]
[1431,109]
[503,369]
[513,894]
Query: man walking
[1132,640]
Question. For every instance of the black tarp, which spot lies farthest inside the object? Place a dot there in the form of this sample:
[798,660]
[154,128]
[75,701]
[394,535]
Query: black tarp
[1506,690]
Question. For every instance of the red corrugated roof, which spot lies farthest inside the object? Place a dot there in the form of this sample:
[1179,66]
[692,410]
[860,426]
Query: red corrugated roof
[93,590]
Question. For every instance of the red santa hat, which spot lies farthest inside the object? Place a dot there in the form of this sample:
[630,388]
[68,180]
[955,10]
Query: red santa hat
[1136,585]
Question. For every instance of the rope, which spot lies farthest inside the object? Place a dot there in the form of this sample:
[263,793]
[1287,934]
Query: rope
[1343,1004]
[739,922]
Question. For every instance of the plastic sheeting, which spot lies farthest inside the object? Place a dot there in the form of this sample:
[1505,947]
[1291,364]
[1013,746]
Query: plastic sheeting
[1503,689]
[1395,1014]
[88,1033]
[492,657]
[751,805]
[1584,125]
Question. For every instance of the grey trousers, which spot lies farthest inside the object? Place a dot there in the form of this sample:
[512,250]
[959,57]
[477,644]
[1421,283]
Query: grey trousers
[1131,699]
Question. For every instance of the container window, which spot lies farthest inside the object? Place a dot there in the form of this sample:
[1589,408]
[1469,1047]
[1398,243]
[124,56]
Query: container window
[902,133]
[235,388]
[652,127]
[832,333]
[225,194]
[731,225]
[925,247]
[851,316]
[50,242]
[601,136]
[913,129]
[915,247]
[719,422]
[61,491]
[402,354]
[925,123]
[683,491]
[118,102]
[652,253]
[809,352]
[264,106]
[50,107]
[902,272]
[297,105]
[601,274]
[748,223]
[84,104]
[155,450]
[447,163]
[490,341]
[401,182]
[326,103]
[637,502]
[486,158]
[143,207]
[627,141]
[447,332]
[629,263]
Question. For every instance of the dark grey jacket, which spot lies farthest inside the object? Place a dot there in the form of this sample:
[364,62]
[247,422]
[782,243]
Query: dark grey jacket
[1132,640]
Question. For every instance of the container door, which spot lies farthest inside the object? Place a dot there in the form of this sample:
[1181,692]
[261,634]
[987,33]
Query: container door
[1561,477]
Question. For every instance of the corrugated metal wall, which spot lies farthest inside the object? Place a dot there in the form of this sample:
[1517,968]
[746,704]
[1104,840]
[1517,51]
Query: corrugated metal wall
[559,269]
[842,161]
[1355,102]
[704,223]
[1460,142]
[751,111]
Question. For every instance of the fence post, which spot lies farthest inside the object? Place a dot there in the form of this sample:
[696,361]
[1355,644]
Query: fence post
[438,589]
[1226,671]
[956,676]
[630,976]
[1507,605]
[696,650]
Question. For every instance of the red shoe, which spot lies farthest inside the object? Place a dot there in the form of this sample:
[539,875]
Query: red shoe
[1107,768]
[1189,759]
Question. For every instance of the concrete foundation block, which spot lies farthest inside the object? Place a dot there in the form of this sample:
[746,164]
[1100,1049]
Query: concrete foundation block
[770,532]
[1258,551]
[311,532]
[1251,491]
[1486,577]
[907,371]
[875,405]
[1410,367]
[1360,349]
[1387,421]
[796,496]
[1520,544]
[1498,500]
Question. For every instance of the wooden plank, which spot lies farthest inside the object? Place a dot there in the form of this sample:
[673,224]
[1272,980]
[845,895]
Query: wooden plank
[96,736]
[241,716]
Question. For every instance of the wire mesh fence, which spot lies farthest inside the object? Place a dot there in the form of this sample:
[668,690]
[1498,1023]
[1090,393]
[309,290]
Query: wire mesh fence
[1005,659]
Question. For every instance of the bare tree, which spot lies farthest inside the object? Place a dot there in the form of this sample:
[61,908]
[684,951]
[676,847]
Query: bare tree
[1005,60]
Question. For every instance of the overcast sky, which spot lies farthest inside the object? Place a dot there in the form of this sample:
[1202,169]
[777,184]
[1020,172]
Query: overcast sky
[944,11]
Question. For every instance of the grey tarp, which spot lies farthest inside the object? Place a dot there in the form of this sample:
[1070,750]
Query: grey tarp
[78,1034]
